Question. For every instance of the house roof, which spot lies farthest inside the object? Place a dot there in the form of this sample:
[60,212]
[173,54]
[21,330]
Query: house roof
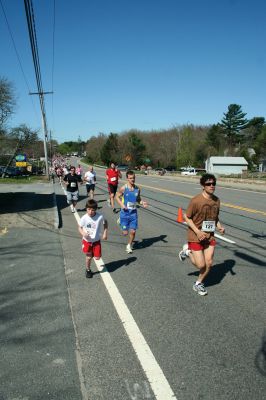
[228,160]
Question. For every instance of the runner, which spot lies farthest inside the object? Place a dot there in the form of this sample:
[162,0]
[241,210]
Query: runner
[202,217]
[90,226]
[90,179]
[71,182]
[59,173]
[79,170]
[128,196]
[112,175]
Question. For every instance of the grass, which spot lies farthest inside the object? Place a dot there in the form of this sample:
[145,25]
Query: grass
[24,179]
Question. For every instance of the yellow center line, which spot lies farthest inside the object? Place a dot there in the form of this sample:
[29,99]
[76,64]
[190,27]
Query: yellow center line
[250,210]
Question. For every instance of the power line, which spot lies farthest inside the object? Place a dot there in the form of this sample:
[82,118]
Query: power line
[53,67]
[17,54]
[36,62]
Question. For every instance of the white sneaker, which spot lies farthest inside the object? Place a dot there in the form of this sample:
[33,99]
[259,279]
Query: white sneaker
[183,254]
[129,248]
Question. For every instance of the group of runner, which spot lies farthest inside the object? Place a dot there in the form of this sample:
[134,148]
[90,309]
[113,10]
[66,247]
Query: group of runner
[201,216]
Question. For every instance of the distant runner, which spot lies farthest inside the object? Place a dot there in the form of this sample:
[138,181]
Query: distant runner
[112,176]
[90,180]
[128,197]
[202,218]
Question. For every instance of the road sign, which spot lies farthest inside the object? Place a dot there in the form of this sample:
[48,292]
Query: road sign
[21,157]
[21,164]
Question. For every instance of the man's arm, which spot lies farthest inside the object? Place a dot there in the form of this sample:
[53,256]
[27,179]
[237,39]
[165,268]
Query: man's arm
[220,228]
[200,234]
[118,197]
[143,203]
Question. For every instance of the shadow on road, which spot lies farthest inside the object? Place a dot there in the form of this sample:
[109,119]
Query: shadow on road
[250,259]
[112,266]
[218,272]
[25,201]
[260,359]
[147,242]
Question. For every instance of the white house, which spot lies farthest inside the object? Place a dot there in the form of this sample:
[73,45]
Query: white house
[226,165]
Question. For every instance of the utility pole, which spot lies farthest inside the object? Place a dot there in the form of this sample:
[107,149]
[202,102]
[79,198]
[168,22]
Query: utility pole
[44,127]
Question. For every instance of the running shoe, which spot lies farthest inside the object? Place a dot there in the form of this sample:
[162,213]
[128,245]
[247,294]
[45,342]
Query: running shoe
[129,248]
[200,289]
[183,253]
[109,203]
[114,210]
[89,274]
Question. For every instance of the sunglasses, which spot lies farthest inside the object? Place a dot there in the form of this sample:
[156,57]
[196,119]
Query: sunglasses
[210,184]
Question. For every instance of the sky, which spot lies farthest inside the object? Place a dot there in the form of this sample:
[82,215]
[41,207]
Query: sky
[116,65]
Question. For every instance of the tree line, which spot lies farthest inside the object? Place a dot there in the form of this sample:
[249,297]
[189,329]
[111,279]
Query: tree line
[178,146]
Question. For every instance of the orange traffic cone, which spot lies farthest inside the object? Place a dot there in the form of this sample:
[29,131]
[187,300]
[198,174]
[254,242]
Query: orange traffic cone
[180,215]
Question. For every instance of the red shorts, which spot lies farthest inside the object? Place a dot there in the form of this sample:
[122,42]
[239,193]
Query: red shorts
[93,249]
[202,245]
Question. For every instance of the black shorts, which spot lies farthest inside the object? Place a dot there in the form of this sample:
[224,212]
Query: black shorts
[111,188]
[90,186]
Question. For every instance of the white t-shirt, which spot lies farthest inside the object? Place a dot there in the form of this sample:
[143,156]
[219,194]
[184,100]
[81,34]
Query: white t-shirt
[90,177]
[93,225]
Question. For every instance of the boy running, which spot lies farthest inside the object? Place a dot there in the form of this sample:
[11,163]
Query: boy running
[90,226]
[202,218]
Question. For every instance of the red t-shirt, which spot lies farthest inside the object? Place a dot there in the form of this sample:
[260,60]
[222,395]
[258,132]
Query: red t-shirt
[112,176]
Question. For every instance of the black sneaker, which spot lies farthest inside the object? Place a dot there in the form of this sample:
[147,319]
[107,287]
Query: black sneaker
[89,273]
[114,210]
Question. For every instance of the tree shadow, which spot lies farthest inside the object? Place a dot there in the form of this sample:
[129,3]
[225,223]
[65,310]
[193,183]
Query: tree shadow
[11,202]
[114,265]
[147,242]
[217,273]
[260,359]
[250,259]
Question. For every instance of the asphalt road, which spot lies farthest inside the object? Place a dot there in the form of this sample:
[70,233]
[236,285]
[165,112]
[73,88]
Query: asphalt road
[210,347]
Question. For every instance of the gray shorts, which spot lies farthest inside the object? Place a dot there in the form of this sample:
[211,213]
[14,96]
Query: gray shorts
[72,196]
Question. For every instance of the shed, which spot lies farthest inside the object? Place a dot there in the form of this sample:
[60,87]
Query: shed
[226,165]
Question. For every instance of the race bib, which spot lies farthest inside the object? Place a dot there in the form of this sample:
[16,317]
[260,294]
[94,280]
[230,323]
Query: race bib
[131,206]
[73,184]
[91,230]
[208,226]
[113,179]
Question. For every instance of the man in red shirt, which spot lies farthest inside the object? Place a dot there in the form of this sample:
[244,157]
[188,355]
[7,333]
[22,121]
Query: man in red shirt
[112,176]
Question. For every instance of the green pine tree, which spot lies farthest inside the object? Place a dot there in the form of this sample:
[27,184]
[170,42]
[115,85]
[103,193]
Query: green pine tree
[233,123]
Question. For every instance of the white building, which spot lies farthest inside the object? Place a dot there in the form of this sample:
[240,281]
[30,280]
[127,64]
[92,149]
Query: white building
[226,165]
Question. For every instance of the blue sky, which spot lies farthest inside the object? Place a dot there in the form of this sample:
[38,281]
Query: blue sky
[143,64]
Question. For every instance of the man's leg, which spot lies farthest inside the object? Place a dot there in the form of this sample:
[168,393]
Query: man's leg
[203,260]
[132,234]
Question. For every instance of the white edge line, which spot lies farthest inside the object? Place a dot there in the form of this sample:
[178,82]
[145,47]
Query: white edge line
[151,368]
